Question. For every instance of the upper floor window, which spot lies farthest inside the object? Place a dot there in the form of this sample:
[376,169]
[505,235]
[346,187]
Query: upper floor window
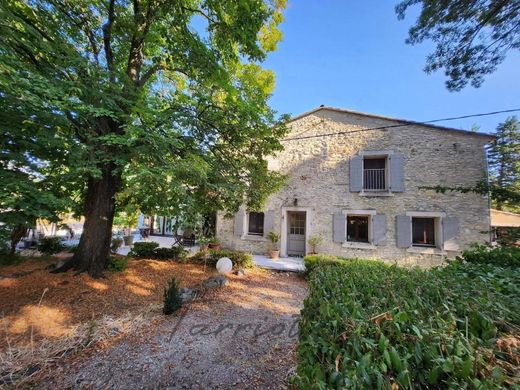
[374,173]
[255,225]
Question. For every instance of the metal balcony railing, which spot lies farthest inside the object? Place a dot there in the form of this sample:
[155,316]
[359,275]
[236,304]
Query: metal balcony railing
[374,179]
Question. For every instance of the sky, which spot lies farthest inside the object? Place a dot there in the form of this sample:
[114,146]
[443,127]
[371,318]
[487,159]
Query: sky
[352,55]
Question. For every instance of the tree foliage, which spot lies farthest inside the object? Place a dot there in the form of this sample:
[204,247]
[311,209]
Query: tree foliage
[157,103]
[504,161]
[472,37]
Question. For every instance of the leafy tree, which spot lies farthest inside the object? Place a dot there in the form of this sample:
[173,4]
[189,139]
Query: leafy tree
[158,102]
[472,37]
[504,159]
[29,160]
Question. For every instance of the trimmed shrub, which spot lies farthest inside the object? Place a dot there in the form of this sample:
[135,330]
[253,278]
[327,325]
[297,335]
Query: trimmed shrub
[172,297]
[369,325]
[176,253]
[50,245]
[144,249]
[503,256]
[116,264]
[239,259]
[311,261]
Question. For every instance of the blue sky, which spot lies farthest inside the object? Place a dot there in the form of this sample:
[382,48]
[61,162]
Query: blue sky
[352,54]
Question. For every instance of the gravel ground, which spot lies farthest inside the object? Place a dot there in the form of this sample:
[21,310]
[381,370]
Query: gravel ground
[240,336]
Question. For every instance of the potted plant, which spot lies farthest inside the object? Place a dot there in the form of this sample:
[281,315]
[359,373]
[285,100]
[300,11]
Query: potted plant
[214,243]
[274,237]
[116,244]
[203,243]
[313,242]
[128,237]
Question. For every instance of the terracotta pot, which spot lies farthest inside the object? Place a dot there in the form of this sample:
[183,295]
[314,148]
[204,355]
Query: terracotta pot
[275,255]
[214,246]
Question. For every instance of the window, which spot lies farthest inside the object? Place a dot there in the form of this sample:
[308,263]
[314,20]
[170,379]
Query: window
[374,173]
[423,231]
[256,224]
[357,228]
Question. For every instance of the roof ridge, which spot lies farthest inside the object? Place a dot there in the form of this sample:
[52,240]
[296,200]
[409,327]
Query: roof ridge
[404,121]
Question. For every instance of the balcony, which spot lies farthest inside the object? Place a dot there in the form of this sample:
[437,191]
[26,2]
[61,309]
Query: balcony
[374,179]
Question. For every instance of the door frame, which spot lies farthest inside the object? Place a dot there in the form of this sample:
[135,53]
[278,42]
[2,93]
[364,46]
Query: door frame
[308,218]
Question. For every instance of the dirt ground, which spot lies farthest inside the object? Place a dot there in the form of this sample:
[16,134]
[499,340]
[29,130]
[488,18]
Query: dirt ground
[242,335]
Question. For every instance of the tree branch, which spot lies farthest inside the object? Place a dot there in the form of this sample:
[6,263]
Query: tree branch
[107,36]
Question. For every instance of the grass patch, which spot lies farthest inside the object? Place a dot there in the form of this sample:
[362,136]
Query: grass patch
[370,325]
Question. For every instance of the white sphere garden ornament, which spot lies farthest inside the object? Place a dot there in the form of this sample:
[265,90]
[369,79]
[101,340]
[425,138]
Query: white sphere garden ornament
[224,265]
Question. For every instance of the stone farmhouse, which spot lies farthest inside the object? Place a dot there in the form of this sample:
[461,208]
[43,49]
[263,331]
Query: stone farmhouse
[358,180]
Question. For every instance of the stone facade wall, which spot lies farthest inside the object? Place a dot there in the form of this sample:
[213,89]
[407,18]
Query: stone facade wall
[318,177]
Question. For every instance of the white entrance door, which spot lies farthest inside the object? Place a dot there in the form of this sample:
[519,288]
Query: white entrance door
[296,233]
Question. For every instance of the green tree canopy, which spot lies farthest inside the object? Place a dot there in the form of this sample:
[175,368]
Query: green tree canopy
[472,37]
[504,161]
[158,102]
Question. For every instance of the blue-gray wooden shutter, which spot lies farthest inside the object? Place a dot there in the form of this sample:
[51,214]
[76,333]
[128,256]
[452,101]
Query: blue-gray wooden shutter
[379,229]
[396,172]
[356,174]
[450,231]
[269,221]
[403,227]
[238,229]
[339,225]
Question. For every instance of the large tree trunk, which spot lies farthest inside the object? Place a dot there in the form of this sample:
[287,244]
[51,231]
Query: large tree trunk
[94,245]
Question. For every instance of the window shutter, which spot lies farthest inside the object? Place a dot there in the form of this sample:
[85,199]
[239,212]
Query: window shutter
[339,225]
[450,231]
[239,223]
[379,229]
[356,173]
[396,172]
[404,231]
[268,222]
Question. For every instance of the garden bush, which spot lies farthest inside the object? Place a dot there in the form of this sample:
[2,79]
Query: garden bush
[176,253]
[50,245]
[151,250]
[144,249]
[116,264]
[504,256]
[311,261]
[172,297]
[239,259]
[369,325]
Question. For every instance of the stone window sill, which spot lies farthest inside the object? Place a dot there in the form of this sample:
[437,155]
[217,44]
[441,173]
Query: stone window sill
[358,245]
[376,193]
[252,237]
[426,251]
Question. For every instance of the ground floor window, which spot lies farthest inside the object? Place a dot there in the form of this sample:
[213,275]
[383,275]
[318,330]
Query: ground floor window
[423,231]
[357,228]
[256,224]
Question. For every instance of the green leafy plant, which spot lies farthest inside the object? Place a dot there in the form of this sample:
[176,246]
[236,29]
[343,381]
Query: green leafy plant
[116,244]
[314,241]
[214,241]
[176,253]
[172,297]
[144,249]
[366,324]
[116,264]
[239,259]
[504,256]
[312,261]
[50,245]
[274,238]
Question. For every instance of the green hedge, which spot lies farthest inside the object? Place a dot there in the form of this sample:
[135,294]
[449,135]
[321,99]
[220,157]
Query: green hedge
[239,259]
[504,256]
[369,325]
[151,250]
[50,245]
[311,261]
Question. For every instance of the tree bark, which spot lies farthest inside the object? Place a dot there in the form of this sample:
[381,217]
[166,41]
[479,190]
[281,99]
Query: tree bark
[16,235]
[94,245]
